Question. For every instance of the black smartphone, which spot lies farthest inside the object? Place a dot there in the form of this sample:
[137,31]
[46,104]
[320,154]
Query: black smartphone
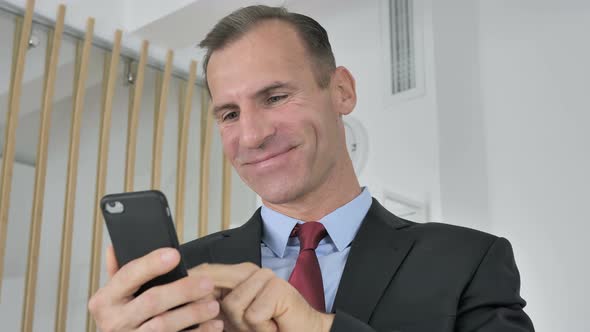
[139,223]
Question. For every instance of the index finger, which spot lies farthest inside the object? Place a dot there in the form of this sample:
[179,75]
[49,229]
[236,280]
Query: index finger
[224,275]
[111,261]
[137,272]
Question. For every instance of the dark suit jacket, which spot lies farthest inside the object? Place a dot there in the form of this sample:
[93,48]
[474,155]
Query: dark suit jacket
[403,276]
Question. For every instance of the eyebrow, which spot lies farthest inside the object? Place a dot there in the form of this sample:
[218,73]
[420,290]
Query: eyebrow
[273,86]
[262,92]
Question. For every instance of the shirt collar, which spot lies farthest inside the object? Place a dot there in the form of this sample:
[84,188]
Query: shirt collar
[341,224]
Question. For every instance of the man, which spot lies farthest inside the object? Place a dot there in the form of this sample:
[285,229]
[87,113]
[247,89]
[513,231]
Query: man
[349,264]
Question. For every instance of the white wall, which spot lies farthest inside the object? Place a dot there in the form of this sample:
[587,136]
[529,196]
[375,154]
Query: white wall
[22,189]
[502,128]
[403,148]
[534,70]
[463,174]
[510,81]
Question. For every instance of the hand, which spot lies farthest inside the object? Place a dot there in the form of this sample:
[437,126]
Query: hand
[256,299]
[115,309]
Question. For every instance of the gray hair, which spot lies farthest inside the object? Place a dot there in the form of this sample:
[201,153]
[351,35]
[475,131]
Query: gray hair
[235,25]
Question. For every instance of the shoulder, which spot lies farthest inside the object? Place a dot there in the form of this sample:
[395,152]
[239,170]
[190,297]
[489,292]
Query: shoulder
[447,233]
[461,249]
[198,251]
[441,241]
[432,233]
[455,254]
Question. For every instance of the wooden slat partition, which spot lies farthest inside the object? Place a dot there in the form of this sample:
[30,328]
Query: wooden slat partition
[82,58]
[206,122]
[11,125]
[159,122]
[52,57]
[184,125]
[226,194]
[101,171]
[136,92]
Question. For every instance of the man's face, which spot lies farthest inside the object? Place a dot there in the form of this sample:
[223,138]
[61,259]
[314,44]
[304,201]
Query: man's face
[280,130]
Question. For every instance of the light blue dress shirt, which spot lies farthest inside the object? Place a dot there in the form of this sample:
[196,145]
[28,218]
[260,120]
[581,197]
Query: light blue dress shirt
[279,252]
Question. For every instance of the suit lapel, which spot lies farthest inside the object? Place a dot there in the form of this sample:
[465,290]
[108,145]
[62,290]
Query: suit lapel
[376,253]
[239,245]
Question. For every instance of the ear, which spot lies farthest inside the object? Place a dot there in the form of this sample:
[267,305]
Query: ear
[343,89]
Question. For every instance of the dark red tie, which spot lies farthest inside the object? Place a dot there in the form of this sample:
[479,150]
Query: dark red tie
[307,276]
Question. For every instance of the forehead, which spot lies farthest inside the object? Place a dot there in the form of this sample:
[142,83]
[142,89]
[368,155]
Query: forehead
[271,51]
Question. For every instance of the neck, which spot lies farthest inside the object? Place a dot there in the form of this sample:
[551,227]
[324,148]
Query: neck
[337,190]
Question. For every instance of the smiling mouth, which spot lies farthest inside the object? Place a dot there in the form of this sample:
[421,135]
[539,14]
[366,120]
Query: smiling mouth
[269,157]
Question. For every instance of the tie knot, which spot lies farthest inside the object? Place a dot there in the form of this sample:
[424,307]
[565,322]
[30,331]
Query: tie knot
[310,234]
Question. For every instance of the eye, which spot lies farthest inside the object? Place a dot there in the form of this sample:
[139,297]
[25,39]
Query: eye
[230,116]
[275,99]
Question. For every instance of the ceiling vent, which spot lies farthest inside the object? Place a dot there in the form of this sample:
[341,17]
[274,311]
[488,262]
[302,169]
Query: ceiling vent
[402,49]
[403,59]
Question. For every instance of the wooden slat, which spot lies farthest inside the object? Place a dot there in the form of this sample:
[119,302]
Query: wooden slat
[82,58]
[136,93]
[205,158]
[129,179]
[204,97]
[11,125]
[157,91]
[180,170]
[52,57]
[18,26]
[159,122]
[101,171]
[184,125]
[226,194]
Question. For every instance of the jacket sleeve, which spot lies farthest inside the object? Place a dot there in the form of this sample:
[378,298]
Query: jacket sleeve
[491,301]
[344,322]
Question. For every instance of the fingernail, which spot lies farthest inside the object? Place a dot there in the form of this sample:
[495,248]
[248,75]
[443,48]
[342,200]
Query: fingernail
[212,306]
[168,256]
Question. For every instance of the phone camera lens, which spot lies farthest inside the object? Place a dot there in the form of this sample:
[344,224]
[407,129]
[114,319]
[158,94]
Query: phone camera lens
[112,204]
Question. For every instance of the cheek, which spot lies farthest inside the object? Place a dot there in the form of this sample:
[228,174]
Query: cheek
[229,140]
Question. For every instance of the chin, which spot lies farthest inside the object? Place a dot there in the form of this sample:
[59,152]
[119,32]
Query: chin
[278,193]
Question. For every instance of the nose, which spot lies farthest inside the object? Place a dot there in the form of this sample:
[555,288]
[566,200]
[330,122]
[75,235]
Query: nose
[255,128]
